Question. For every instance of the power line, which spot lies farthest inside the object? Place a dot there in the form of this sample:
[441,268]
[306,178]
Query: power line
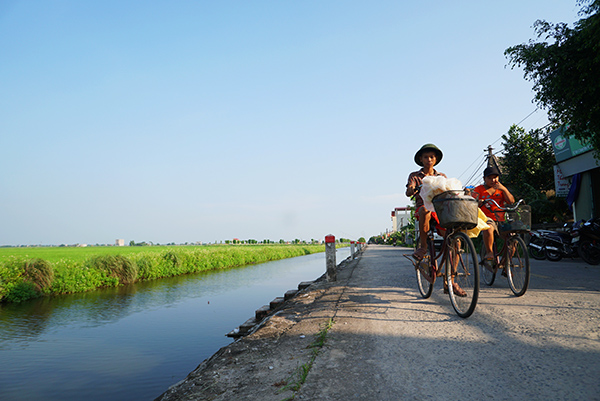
[499,150]
[528,115]
[485,156]
[463,173]
[469,181]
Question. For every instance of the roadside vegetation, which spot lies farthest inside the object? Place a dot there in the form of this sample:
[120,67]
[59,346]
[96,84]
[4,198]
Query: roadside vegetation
[27,273]
[298,377]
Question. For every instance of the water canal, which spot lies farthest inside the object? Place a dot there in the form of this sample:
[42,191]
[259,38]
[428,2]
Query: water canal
[133,342]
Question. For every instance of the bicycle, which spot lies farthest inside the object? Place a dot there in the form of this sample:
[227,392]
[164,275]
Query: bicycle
[512,255]
[459,258]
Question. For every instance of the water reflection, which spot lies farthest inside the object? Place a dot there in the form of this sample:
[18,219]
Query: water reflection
[133,342]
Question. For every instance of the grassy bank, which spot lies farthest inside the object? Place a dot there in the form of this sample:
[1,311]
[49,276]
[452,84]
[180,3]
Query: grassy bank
[27,273]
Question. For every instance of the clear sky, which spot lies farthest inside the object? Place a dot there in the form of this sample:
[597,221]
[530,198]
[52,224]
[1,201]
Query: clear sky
[185,121]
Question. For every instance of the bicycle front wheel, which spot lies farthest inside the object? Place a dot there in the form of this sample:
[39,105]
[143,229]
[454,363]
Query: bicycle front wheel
[517,268]
[424,268]
[462,273]
[487,275]
[425,286]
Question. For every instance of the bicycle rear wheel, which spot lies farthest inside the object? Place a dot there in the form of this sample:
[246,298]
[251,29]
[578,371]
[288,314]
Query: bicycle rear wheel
[424,267]
[461,264]
[517,268]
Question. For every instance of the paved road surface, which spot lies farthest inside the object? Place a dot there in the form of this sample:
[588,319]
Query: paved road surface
[390,344]
[387,343]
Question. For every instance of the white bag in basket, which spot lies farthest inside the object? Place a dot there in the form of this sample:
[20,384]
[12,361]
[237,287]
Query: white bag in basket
[435,185]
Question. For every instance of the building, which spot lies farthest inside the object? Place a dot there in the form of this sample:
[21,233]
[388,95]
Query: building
[120,242]
[400,218]
[578,168]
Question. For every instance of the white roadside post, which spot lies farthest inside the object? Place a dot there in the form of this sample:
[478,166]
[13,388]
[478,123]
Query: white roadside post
[330,257]
[352,249]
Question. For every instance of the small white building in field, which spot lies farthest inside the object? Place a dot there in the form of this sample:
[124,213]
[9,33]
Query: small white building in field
[120,242]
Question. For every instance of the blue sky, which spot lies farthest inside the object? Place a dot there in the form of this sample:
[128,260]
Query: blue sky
[188,121]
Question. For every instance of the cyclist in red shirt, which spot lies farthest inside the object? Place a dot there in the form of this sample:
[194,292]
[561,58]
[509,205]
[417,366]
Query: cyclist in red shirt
[492,189]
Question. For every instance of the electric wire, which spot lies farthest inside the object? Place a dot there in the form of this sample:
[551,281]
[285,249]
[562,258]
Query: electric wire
[471,179]
[499,151]
[528,115]
[467,169]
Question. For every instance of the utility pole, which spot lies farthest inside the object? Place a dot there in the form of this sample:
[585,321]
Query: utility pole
[491,159]
[490,154]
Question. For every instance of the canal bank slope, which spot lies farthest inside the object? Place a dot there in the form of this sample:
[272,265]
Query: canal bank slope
[388,343]
[273,361]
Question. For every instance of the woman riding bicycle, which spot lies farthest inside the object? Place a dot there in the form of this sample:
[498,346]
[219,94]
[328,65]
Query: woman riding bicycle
[494,190]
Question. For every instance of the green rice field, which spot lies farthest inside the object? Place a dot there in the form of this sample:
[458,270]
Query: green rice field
[27,273]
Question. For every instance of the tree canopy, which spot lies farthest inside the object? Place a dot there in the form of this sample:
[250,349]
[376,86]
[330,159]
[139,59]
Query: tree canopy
[528,160]
[565,70]
[528,172]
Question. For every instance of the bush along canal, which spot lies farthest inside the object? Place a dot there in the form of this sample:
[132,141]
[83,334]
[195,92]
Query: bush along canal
[132,342]
[33,272]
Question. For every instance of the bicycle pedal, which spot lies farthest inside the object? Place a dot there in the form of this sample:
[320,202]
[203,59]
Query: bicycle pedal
[424,263]
[412,260]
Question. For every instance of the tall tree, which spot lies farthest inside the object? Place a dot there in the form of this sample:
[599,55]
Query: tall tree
[566,71]
[528,160]
[528,172]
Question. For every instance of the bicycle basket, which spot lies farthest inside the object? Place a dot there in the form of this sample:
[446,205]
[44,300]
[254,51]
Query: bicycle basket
[456,210]
[516,221]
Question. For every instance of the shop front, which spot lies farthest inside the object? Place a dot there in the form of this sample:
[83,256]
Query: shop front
[578,168]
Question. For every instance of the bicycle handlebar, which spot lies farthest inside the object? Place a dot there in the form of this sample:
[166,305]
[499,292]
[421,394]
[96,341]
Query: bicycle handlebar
[508,208]
[416,191]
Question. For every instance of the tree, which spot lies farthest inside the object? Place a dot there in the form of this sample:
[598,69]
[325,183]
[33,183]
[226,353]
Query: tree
[565,72]
[378,239]
[528,172]
[528,160]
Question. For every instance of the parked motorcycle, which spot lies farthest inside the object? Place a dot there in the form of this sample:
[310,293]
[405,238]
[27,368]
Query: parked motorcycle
[553,245]
[589,241]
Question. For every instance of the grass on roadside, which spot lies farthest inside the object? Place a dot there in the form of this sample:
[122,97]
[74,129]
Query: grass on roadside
[298,377]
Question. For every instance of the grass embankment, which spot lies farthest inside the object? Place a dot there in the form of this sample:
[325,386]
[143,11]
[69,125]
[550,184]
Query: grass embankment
[27,273]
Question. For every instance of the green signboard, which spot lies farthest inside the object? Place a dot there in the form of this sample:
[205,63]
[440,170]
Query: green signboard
[566,148]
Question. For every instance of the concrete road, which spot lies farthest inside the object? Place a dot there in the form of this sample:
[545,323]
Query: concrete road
[388,343]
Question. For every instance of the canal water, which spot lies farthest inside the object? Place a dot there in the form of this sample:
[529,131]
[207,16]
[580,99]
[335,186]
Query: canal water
[133,342]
